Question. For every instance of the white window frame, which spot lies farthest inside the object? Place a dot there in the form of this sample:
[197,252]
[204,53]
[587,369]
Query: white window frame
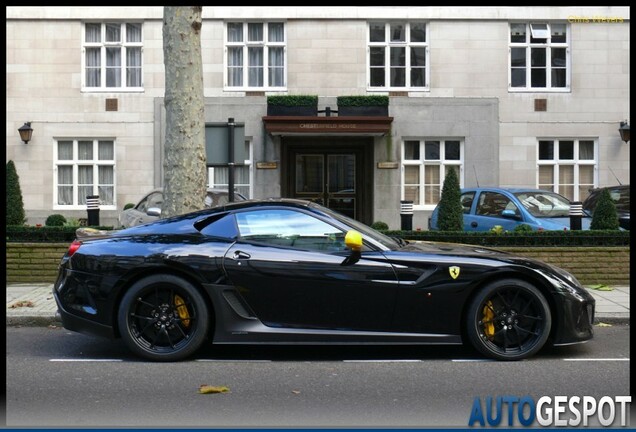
[244,45]
[75,162]
[407,45]
[536,30]
[250,168]
[442,162]
[102,45]
[576,162]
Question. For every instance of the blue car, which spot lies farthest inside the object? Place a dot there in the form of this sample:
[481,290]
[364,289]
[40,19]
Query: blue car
[484,208]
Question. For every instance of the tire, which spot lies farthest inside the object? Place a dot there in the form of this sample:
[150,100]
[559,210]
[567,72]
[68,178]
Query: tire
[163,318]
[508,320]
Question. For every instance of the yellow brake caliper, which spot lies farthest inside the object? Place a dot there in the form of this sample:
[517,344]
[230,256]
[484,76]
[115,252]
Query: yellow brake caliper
[489,324]
[182,310]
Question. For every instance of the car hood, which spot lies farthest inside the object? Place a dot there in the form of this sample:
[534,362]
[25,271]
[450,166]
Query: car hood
[455,249]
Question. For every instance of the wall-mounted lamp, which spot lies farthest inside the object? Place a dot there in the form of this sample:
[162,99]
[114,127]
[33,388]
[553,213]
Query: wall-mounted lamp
[26,132]
[624,131]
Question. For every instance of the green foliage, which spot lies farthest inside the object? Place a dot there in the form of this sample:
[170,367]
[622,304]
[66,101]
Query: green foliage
[523,228]
[72,222]
[129,205]
[450,215]
[363,100]
[380,226]
[15,206]
[45,234]
[497,229]
[605,216]
[55,220]
[292,100]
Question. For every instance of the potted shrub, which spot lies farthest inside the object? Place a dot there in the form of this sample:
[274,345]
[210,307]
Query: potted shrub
[363,105]
[292,105]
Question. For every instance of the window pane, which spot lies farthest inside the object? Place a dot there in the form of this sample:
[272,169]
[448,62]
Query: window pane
[538,78]
[558,57]
[85,150]
[586,150]
[566,150]
[538,33]
[517,33]
[558,78]
[411,174]
[546,177]
[558,33]
[93,33]
[255,68]
[418,57]
[412,193]
[451,150]
[412,150]
[133,69]
[276,32]
[518,78]
[537,57]
[376,32]
[398,56]
[254,32]
[106,150]
[418,77]
[65,150]
[235,32]
[566,174]
[418,32]
[377,77]
[133,32]
[546,150]
[398,77]
[376,55]
[518,57]
[398,33]
[586,175]
[113,32]
[431,150]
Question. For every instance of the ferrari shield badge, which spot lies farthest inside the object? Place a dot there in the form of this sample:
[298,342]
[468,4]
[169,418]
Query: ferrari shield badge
[454,271]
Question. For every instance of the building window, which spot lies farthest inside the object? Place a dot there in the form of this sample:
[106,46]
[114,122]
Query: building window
[112,56]
[424,166]
[398,56]
[255,56]
[82,168]
[218,176]
[567,166]
[539,57]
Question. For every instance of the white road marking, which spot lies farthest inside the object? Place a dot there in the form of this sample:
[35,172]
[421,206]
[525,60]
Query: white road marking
[85,360]
[382,361]
[596,359]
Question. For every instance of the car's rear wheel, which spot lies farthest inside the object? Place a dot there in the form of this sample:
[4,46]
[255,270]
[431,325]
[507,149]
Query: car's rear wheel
[509,320]
[163,318]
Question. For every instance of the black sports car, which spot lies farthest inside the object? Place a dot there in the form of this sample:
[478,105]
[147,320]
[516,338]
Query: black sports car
[293,272]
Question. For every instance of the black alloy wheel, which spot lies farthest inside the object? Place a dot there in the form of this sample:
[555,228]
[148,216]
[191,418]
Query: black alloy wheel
[509,320]
[163,318]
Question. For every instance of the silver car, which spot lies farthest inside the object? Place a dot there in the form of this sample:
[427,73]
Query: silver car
[148,209]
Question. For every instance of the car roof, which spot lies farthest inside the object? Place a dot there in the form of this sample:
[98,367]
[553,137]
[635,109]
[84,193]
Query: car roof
[504,189]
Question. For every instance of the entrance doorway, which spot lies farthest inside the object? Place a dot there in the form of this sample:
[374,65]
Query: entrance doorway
[331,171]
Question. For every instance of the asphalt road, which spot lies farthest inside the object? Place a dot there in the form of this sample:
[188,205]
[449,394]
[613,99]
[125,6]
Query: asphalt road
[56,378]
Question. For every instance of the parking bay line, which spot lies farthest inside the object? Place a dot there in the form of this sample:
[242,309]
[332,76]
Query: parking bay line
[596,359]
[71,360]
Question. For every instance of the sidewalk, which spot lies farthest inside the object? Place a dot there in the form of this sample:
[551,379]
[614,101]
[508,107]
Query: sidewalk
[34,305]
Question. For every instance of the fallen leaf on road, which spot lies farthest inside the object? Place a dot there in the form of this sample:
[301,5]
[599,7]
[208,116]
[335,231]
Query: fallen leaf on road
[600,287]
[22,303]
[602,324]
[296,391]
[206,389]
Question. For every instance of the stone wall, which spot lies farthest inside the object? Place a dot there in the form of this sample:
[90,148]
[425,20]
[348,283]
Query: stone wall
[37,262]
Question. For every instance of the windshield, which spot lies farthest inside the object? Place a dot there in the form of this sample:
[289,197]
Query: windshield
[365,230]
[544,204]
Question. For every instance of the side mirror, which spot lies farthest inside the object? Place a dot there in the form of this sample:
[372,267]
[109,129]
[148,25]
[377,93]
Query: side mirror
[154,211]
[353,240]
[510,214]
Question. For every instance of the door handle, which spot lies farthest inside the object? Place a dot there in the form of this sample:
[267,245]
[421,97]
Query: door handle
[241,255]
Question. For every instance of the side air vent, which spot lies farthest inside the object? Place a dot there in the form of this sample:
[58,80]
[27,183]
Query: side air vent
[237,304]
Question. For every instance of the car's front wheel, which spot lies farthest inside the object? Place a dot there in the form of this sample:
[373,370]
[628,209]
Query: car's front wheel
[508,320]
[163,318]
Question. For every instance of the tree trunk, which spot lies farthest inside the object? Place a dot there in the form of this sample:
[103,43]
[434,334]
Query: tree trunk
[184,165]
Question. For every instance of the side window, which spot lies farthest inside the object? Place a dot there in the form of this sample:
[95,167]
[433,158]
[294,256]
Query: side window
[492,204]
[467,201]
[155,200]
[223,226]
[291,229]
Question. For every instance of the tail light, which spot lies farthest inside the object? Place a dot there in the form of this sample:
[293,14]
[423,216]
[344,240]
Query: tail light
[73,248]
